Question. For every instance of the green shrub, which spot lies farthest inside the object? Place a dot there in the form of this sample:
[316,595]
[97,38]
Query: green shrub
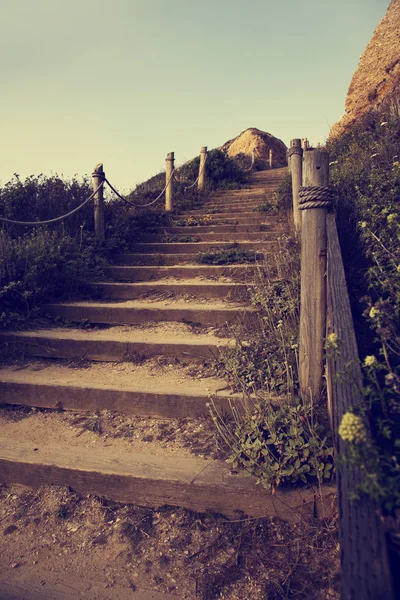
[278,443]
[39,267]
[228,255]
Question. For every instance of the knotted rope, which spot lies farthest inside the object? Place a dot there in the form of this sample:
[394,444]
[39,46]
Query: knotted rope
[294,150]
[314,197]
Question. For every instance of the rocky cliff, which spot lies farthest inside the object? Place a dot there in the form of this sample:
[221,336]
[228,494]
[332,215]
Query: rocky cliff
[377,77]
[260,141]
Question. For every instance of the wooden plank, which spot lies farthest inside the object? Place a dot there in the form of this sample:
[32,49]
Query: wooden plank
[364,557]
[126,401]
[26,584]
[149,480]
[129,313]
[68,345]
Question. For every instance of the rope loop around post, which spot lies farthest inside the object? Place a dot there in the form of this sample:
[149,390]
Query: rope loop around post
[294,150]
[315,197]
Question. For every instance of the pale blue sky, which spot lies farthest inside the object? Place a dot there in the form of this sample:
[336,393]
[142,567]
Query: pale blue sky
[126,81]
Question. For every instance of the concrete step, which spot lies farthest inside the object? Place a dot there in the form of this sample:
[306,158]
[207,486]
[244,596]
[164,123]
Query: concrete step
[204,290]
[133,390]
[114,344]
[134,312]
[193,247]
[132,474]
[150,273]
[228,236]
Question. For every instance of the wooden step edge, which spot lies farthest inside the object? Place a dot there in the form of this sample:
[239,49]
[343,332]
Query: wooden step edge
[120,315]
[107,350]
[148,480]
[92,398]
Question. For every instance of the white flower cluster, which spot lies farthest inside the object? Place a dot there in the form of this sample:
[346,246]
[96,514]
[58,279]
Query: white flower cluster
[352,429]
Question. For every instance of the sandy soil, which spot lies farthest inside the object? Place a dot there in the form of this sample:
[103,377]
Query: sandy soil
[56,545]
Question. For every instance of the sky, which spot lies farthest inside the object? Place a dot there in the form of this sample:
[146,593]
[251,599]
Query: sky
[125,82]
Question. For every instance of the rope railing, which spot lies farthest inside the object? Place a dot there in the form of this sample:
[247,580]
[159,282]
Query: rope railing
[56,219]
[139,205]
[198,176]
[100,176]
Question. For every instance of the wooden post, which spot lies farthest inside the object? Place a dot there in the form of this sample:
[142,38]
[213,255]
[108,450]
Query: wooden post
[304,143]
[169,180]
[271,155]
[202,168]
[313,277]
[98,176]
[296,168]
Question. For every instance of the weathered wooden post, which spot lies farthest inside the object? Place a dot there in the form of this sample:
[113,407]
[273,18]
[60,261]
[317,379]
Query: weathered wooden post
[169,181]
[314,201]
[271,157]
[98,176]
[305,144]
[202,168]
[295,159]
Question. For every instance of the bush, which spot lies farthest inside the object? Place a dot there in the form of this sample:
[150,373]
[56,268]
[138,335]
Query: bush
[278,443]
[40,267]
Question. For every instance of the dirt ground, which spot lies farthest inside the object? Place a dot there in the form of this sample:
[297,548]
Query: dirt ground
[55,544]
[58,545]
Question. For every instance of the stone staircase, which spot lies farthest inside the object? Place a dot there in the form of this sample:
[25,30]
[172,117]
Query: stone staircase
[160,305]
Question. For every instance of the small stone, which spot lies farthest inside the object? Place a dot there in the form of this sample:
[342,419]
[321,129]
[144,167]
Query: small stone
[14,565]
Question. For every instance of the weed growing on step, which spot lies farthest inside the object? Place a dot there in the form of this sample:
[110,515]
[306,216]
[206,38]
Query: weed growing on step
[285,442]
[228,255]
[266,352]
[266,207]
[279,444]
[180,238]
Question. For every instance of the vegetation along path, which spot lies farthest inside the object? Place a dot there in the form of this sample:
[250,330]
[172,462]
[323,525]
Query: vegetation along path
[148,334]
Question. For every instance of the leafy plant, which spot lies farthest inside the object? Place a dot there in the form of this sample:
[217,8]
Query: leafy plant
[39,267]
[230,254]
[278,443]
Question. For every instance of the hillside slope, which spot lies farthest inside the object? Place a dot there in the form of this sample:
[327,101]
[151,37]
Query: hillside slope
[377,77]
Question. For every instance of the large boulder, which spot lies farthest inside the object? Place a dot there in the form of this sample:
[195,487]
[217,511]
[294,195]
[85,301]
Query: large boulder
[377,77]
[260,141]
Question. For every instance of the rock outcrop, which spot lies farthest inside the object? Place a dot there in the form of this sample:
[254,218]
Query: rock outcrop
[377,77]
[260,141]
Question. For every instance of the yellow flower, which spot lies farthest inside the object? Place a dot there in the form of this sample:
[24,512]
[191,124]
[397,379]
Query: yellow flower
[352,429]
[374,312]
[369,361]
[391,218]
[332,338]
